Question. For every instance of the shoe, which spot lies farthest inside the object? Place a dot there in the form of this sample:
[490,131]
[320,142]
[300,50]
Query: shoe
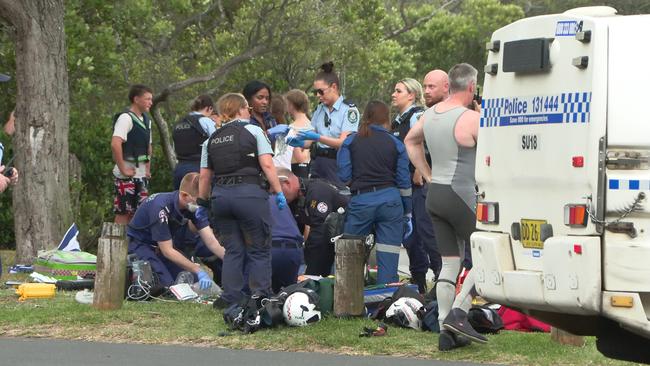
[448,341]
[184,277]
[457,322]
[219,304]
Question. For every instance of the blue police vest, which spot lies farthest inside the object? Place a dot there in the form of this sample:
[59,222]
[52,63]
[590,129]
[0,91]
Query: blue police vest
[374,160]
[232,151]
[188,137]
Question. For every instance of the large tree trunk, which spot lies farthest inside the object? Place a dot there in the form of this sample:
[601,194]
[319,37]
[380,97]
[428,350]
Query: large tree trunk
[42,197]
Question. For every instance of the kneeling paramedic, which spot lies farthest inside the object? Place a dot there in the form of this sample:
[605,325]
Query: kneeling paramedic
[159,219]
[377,166]
[312,201]
[235,156]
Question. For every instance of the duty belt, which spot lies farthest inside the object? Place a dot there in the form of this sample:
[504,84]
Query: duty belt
[371,189]
[326,153]
[238,179]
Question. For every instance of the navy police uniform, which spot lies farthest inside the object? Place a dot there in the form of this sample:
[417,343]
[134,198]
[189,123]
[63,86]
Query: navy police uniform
[188,135]
[344,117]
[240,208]
[318,199]
[421,245]
[286,247]
[377,167]
[160,219]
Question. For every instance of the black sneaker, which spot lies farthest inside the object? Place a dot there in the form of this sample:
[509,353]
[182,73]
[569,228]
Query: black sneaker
[457,322]
[420,279]
[448,341]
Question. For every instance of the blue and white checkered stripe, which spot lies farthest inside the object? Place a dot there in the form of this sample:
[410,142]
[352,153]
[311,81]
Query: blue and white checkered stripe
[629,184]
[575,107]
[490,112]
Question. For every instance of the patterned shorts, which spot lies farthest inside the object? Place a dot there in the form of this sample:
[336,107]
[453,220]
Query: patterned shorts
[129,194]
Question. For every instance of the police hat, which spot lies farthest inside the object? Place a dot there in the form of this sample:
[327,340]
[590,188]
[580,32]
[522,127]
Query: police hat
[4,78]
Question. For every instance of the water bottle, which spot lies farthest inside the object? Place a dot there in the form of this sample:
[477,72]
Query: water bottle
[212,292]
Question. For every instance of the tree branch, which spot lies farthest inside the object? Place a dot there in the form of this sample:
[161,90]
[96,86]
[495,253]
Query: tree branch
[163,129]
[166,43]
[412,25]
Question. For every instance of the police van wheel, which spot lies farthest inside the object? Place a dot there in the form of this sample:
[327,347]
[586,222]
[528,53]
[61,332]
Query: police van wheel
[618,343]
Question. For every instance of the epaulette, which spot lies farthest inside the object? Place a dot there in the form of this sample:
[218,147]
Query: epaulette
[349,103]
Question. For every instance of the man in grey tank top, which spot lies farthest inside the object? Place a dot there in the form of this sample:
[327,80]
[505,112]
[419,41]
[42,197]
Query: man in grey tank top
[450,130]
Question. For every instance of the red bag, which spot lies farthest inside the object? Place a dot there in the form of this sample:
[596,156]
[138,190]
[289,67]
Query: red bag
[514,320]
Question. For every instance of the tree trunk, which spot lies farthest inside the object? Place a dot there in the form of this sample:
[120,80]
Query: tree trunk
[42,198]
[165,139]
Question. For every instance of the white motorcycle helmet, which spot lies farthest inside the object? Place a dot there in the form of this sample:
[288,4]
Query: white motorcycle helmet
[299,311]
[404,312]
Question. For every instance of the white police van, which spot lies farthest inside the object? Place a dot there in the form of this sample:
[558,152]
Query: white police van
[563,175]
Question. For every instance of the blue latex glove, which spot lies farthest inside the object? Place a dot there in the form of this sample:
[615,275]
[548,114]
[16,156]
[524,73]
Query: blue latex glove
[201,213]
[309,135]
[281,200]
[278,130]
[296,142]
[205,282]
[408,226]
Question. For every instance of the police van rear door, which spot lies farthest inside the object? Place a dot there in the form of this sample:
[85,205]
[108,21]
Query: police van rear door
[542,122]
[627,247]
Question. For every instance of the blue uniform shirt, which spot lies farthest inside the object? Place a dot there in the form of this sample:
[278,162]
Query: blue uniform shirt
[284,228]
[263,144]
[344,117]
[159,217]
[208,125]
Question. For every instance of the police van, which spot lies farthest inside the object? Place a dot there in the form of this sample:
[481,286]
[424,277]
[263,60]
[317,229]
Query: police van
[563,175]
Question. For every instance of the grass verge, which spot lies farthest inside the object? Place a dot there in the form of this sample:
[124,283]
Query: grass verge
[157,322]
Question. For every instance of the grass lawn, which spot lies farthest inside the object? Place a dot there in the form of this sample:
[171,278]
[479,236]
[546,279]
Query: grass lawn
[158,322]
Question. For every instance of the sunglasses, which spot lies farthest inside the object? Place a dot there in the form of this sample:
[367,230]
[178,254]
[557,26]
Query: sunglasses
[327,120]
[320,91]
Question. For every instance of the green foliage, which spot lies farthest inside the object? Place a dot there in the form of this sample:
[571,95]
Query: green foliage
[114,44]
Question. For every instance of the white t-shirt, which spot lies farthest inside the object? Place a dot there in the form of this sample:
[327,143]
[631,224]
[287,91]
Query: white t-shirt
[123,126]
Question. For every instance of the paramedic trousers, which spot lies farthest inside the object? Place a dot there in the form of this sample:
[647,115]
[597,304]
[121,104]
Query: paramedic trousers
[182,168]
[382,211]
[166,270]
[241,219]
[421,246]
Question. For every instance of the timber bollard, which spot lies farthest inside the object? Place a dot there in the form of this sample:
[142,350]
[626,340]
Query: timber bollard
[349,281]
[563,337]
[111,267]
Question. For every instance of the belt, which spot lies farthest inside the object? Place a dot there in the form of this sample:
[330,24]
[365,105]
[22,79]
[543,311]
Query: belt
[371,189]
[237,179]
[286,244]
[326,153]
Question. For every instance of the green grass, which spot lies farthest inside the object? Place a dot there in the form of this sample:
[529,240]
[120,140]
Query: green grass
[157,322]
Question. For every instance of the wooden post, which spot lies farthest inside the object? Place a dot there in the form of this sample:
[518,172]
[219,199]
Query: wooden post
[111,267]
[563,337]
[348,285]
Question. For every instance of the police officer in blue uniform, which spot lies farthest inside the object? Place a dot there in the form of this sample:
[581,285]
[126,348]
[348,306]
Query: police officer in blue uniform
[312,201]
[421,246]
[189,134]
[235,156]
[376,164]
[333,120]
[157,222]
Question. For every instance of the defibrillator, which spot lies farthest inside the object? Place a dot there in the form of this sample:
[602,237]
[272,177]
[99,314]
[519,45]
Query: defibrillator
[563,174]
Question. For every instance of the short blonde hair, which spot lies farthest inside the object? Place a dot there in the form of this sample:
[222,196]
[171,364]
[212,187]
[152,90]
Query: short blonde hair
[190,184]
[299,100]
[229,105]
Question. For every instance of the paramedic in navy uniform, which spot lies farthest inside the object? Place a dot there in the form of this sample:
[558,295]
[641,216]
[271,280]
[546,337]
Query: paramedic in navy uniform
[159,219]
[333,120]
[377,166]
[236,155]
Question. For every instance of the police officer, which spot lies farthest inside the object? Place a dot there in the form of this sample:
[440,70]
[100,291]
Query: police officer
[312,201]
[236,155]
[376,164]
[158,220]
[421,245]
[189,134]
[333,120]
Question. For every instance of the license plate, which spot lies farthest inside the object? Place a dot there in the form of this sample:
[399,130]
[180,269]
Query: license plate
[531,233]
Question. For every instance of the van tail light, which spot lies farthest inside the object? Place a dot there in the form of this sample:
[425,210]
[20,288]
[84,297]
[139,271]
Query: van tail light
[487,212]
[575,215]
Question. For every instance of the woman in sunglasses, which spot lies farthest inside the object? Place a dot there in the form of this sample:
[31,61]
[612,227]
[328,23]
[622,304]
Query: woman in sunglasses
[334,119]
[376,165]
